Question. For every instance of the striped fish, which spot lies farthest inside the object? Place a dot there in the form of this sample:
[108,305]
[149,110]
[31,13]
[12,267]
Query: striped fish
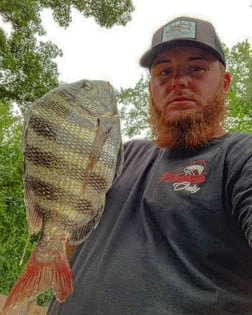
[72,152]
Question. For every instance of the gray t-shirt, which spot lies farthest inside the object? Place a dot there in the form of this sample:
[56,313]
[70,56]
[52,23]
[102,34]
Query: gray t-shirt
[174,235]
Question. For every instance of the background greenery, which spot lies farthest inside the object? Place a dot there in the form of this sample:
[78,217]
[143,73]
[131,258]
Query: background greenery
[28,70]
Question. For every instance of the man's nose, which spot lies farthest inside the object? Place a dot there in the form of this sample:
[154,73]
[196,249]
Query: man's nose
[180,78]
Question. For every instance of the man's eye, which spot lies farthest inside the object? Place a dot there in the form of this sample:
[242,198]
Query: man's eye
[197,69]
[165,72]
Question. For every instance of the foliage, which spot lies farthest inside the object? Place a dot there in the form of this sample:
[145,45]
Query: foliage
[133,102]
[13,231]
[133,108]
[105,12]
[26,71]
[13,226]
[27,64]
[239,63]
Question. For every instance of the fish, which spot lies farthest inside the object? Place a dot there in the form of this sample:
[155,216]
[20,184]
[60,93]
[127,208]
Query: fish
[72,153]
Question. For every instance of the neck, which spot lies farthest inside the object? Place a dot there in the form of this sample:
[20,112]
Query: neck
[219,132]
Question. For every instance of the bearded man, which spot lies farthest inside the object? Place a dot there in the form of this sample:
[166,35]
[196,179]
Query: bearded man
[187,93]
[176,232]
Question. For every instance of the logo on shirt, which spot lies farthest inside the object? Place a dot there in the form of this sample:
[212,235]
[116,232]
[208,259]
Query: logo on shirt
[187,178]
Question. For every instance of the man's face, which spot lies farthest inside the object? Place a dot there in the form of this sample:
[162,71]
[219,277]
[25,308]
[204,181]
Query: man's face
[187,90]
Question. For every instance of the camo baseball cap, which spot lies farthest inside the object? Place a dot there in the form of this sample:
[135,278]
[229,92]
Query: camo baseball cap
[184,31]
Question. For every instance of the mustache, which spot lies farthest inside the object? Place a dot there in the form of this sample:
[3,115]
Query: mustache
[181,94]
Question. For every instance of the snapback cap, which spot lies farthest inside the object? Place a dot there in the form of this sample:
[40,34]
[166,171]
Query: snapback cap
[184,31]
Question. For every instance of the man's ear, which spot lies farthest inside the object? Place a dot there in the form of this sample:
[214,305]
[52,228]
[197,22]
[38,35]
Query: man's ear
[226,81]
[149,86]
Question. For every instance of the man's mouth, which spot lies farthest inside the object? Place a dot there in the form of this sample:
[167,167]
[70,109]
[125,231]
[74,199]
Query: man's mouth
[180,102]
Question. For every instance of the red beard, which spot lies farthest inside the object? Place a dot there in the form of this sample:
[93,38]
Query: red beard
[188,130]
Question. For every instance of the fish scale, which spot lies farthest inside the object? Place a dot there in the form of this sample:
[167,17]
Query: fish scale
[72,151]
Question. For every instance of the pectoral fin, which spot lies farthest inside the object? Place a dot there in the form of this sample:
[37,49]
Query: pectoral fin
[104,126]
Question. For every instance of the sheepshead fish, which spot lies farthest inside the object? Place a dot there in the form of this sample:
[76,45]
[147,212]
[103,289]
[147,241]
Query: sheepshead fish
[72,152]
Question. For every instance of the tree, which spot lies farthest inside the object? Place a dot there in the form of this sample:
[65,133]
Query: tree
[13,226]
[239,63]
[27,70]
[13,231]
[133,108]
[27,66]
[133,102]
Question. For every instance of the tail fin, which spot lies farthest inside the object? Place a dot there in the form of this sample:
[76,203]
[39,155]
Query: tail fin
[38,276]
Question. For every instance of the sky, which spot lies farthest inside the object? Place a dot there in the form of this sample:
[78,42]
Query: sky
[95,53]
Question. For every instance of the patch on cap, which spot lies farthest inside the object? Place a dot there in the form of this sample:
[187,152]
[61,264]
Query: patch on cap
[179,29]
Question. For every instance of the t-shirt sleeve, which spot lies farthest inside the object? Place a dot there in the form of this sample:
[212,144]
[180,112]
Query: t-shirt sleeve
[241,198]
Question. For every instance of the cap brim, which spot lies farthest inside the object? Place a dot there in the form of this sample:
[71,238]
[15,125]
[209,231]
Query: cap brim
[148,58]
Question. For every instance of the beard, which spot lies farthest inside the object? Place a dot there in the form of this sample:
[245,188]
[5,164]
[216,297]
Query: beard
[188,130]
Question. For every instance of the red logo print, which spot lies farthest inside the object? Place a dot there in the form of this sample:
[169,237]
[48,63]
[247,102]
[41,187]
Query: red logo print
[187,177]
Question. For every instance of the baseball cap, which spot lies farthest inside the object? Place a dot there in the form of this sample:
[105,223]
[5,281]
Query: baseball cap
[184,31]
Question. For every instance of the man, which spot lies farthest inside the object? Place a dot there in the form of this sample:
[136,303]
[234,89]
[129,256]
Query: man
[174,238]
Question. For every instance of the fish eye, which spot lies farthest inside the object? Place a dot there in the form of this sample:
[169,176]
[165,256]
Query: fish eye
[87,85]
